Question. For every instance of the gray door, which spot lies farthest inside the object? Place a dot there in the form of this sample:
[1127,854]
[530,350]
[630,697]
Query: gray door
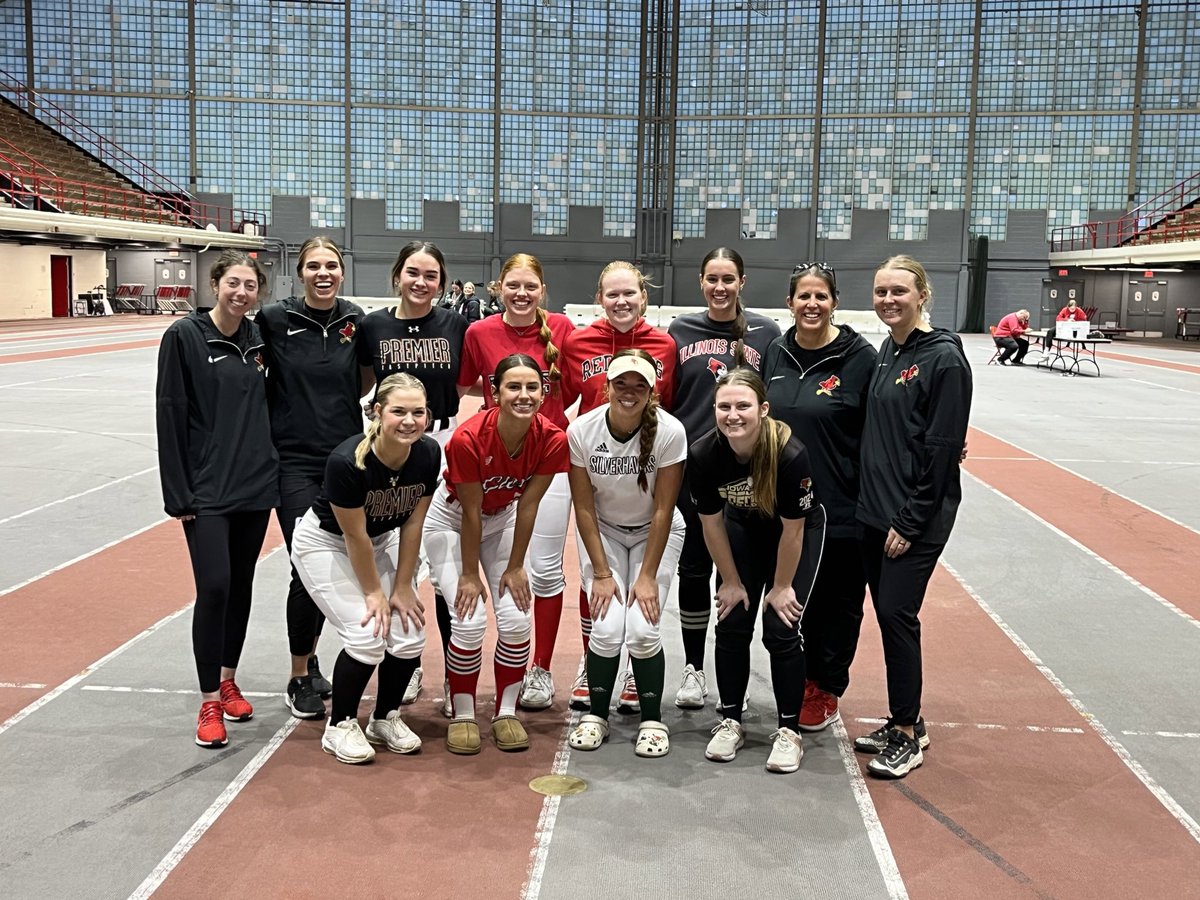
[1055,295]
[1146,307]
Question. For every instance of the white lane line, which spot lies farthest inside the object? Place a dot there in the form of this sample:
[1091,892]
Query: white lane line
[985,726]
[545,824]
[870,816]
[69,431]
[75,679]
[80,558]
[1166,387]
[1166,734]
[19,684]
[1093,554]
[90,490]
[1169,803]
[72,376]
[95,390]
[125,689]
[160,872]
[1103,487]
[99,350]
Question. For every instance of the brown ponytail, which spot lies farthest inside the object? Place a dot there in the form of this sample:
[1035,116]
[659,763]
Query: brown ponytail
[764,463]
[738,333]
[649,431]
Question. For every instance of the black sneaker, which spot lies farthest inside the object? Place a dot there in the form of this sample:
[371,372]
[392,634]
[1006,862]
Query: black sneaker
[901,755]
[876,741]
[320,683]
[302,700]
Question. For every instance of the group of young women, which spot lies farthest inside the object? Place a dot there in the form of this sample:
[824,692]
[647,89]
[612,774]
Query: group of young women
[805,466]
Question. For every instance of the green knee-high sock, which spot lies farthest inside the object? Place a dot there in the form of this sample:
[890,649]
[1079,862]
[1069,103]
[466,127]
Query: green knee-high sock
[649,675]
[602,675]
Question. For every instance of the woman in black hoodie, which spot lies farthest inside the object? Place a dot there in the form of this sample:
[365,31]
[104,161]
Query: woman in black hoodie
[917,412]
[817,376]
[220,473]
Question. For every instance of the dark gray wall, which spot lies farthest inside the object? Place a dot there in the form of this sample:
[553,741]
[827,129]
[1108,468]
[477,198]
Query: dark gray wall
[1017,268]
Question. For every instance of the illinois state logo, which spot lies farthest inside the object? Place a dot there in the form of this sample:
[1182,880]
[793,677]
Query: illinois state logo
[258,361]
[907,375]
[717,368]
[347,332]
[827,386]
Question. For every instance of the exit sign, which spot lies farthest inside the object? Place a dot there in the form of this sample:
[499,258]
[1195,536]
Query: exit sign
[1062,273]
[1147,274]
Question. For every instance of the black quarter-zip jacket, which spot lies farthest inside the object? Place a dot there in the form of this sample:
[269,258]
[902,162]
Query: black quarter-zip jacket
[917,415]
[826,407]
[215,453]
[313,381]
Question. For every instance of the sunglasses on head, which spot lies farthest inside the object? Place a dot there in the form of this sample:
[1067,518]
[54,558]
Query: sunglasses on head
[804,267]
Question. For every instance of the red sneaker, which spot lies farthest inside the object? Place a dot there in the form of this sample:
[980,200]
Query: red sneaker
[819,711]
[210,728]
[233,704]
[629,703]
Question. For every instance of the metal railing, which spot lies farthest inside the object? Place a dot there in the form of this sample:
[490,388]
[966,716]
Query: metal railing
[1148,223]
[80,198]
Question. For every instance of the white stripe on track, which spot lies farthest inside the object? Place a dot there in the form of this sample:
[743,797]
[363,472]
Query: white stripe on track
[1165,387]
[75,679]
[167,864]
[545,824]
[1166,734]
[125,689]
[90,490]
[1103,487]
[983,726]
[1139,771]
[866,808]
[80,558]
[1112,567]
[17,684]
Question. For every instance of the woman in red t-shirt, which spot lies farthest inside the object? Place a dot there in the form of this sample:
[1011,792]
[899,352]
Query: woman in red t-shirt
[526,327]
[499,466]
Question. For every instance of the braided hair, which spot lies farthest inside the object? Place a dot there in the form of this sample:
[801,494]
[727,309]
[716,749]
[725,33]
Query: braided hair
[649,426]
[552,353]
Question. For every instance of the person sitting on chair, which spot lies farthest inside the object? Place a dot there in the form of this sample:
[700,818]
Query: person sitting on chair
[1071,313]
[1008,337]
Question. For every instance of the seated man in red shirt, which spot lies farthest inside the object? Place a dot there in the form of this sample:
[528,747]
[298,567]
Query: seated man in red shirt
[1009,338]
[1071,313]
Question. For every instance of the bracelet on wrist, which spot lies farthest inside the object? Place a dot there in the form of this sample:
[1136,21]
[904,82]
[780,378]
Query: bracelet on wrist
[601,575]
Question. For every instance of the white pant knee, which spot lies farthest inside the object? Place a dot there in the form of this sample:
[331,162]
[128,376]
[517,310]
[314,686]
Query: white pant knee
[549,536]
[512,625]
[608,634]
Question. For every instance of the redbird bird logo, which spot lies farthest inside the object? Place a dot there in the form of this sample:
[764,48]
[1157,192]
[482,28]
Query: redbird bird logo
[907,375]
[717,367]
[347,332]
[827,386]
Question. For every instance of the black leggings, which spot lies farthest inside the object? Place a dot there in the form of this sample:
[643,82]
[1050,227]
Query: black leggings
[833,617]
[897,591]
[754,546]
[224,549]
[695,579]
[297,492]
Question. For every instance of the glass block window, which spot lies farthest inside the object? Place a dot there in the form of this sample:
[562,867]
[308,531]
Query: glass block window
[12,40]
[1172,57]
[1168,152]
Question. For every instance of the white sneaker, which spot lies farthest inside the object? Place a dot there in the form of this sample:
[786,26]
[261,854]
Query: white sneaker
[537,690]
[447,700]
[692,689]
[726,741]
[413,691]
[393,733]
[785,752]
[347,743]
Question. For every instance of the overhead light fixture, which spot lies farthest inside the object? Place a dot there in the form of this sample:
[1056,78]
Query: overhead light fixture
[1155,269]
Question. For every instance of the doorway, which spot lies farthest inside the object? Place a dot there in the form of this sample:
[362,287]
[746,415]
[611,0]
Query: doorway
[1055,295]
[60,286]
[1146,307]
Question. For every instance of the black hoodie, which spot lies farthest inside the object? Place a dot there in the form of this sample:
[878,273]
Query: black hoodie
[314,385]
[214,434]
[917,413]
[826,406]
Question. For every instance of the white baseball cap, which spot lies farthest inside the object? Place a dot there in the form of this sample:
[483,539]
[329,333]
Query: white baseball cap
[623,364]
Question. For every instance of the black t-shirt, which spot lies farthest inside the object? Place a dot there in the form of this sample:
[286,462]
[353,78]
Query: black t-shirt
[719,481]
[429,348]
[387,496]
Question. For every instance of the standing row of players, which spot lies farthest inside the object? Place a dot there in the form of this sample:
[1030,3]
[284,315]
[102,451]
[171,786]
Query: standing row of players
[852,482]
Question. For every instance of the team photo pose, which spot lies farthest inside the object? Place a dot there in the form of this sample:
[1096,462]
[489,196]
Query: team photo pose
[817,375]
[220,473]
[499,465]
[313,390]
[626,467]
[752,486]
[917,413]
[622,297]
[356,551]
[420,337]
[708,344]
[525,327]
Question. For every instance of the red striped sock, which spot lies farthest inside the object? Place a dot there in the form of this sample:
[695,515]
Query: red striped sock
[462,671]
[511,661]
[547,611]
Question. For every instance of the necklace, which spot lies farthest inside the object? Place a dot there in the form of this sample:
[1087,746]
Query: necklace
[523,330]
